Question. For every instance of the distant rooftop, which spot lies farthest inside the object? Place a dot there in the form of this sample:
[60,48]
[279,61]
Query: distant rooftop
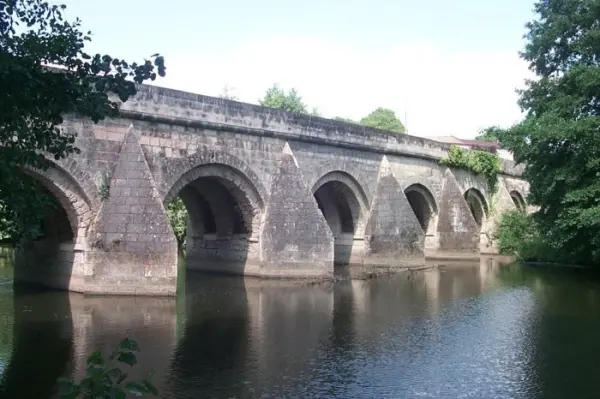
[492,146]
[467,142]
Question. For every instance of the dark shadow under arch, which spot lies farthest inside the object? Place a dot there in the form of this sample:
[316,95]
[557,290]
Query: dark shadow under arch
[55,258]
[224,211]
[477,205]
[343,204]
[423,205]
[518,200]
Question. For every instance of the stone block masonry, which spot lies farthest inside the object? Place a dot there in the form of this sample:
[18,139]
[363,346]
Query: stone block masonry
[269,193]
[457,228]
[133,247]
[394,237]
[295,239]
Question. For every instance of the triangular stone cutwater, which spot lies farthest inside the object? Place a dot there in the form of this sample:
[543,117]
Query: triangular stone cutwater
[457,229]
[295,232]
[133,220]
[393,233]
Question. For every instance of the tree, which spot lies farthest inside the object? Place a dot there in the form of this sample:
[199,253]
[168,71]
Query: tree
[384,119]
[492,133]
[44,75]
[276,97]
[559,139]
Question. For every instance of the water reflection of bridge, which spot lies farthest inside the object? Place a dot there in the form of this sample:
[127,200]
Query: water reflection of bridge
[227,337]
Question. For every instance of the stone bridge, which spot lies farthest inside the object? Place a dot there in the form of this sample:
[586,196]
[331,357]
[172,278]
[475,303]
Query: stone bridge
[269,193]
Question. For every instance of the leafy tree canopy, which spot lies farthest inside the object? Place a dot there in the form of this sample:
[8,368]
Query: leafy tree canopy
[385,119]
[559,140]
[276,97]
[492,133]
[45,74]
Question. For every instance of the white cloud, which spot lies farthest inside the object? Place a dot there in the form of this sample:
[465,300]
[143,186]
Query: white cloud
[442,93]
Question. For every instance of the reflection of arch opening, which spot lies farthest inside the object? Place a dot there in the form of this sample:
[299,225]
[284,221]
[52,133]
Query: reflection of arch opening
[477,205]
[423,205]
[518,200]
[224,210]
[55,257]
[343,204]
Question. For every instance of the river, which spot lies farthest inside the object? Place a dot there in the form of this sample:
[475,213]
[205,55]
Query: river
[459,331]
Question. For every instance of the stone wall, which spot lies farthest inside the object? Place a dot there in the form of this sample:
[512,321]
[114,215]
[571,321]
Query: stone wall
[268,192]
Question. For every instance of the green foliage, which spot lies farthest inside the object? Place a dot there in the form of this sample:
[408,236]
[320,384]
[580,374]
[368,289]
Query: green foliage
[559,140]
[479,162]
[384,119]
[519,234]
[104,189]
[276,97]
[178,216]
[492,133]
[44,75]
[106,382]
[516,233]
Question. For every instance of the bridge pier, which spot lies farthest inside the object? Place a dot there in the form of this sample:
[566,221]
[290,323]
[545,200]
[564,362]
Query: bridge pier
[295,239]
[393,234]
[362,197]
[132,248]
[457,231]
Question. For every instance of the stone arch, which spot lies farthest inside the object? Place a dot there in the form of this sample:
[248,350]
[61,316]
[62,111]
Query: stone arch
[225,184]
[477,204]
[57,257]
[83,179]
[225,209]
[174,171]
[423,205]
[344,205]
[518,200]
[341,186]
[72,198]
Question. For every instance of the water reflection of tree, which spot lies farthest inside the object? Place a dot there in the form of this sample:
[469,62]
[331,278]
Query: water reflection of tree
[564,340]
[6,307]
[6,325]
[41,346]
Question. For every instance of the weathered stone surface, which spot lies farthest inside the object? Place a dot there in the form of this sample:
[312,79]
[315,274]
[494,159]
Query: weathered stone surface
[251,207]
[499,203]
[457,229]
[295,238]
[393,234]
[134,247]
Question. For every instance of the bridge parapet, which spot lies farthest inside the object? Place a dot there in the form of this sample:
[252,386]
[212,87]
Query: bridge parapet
[176,107]
[268,193]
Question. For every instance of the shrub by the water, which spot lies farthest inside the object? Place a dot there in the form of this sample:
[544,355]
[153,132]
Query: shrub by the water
[106,382]
[518,234]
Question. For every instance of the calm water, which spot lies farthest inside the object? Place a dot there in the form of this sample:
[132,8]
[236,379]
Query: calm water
[464,331]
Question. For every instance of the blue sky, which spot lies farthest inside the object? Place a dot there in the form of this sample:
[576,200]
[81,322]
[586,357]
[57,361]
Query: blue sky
[447,67]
